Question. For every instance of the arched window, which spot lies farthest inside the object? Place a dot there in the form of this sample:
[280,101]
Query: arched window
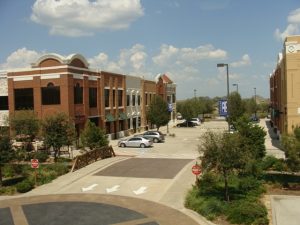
[50,94]
[78,94]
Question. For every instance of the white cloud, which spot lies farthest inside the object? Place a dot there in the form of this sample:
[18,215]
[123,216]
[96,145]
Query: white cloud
[84,17]
[292,28]
[21,58]
[245,61]
[170,54]
[130,61]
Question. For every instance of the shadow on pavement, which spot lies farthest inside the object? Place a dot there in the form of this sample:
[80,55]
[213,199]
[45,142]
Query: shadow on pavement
[272,133]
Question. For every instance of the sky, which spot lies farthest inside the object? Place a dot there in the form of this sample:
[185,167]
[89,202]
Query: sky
[184,39]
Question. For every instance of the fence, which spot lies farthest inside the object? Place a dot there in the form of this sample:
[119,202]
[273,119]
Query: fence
[92,156]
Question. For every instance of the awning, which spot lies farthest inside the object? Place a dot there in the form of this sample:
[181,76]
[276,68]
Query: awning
[123,116]
[109,117]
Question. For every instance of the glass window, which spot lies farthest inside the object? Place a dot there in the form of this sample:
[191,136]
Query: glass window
[128,100]
[120,97]
[3,102]
[106,96]
[114,98]
[139,100]
[93,97]
[23,98]
[78,94]
[50,95]
[133,100]
[95,120]
[146,99]
[174,98]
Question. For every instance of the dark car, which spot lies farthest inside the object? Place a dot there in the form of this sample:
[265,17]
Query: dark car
[186,124]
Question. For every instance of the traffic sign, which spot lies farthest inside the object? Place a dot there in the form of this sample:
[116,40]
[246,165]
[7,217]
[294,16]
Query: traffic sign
[34,163]
[196,169]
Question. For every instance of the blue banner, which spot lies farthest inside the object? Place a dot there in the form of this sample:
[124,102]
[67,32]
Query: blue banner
[223,108]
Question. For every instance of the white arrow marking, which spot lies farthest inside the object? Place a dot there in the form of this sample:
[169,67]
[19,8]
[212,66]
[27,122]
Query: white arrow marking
[112,189]
[89,188]
[139,191]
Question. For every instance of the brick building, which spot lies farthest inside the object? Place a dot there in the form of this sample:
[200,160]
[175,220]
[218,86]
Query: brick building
[55,83]
[285,87]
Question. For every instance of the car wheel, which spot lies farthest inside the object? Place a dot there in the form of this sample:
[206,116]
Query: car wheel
[155,140]
[142,145]
[122,145]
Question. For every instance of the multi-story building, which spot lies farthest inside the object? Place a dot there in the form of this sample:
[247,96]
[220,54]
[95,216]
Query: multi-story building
[166,88]
[3,99]
[55,83]
[285,87]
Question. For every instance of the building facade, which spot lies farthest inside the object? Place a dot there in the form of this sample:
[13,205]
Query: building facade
[54,83]
[285,88]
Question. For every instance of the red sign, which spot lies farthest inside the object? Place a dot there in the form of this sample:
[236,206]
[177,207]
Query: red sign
[196,169]
[34,163]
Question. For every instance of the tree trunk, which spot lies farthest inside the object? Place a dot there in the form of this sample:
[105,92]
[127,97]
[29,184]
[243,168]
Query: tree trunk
[226,185]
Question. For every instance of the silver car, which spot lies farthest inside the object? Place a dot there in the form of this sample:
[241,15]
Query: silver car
[155,136]
[135,142]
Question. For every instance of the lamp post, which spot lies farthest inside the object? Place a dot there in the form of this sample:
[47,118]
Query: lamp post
[237,87]
[195,93]
[255,101]
[227,74]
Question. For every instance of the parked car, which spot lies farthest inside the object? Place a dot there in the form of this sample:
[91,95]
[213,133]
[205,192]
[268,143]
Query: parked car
[196,121]
[186,124]
[254,119]
[155,136]
[135,142]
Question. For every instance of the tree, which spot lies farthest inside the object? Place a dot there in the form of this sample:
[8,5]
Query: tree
[55,131]
[291,145]
[93,136]
[222,152]
[6,151]
[25,126]
[158,112]
[188,110]
[235,107]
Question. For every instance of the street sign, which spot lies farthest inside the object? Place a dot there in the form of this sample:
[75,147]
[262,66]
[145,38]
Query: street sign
[34,163]
[223,108]
[196,169]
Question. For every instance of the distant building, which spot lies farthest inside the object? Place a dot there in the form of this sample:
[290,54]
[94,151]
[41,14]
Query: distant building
[285,87]
[54,83]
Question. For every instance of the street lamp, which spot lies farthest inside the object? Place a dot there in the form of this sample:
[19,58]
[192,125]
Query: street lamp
[255,100]
[227,74]
[237,87]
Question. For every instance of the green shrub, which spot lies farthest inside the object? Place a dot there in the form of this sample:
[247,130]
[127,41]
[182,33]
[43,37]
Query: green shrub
[10,190]
[8,171]
[24,186]
[272,163]
[248,183]
[247,212]
[42,156]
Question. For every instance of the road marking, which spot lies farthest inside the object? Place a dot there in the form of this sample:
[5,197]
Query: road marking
[140,191]
[89,188]
[112,189]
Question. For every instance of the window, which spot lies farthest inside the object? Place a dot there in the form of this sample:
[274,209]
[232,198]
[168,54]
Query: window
[114,98]
[174,98]
[78,94]
[23,98]
[120,97]
[128,100]
[3,102]
[106,96]
[133,100]
[50,95]
[95,120]
[146,99]
[139,100]
[93,97]
[169,99]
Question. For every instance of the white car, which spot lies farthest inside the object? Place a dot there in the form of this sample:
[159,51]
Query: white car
[196,121]
[135,142]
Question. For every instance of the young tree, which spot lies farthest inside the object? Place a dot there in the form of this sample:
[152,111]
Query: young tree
[158,112]
[25,124]
[93,136]
[55,131]
[235,107]
[291,145]
[222,152]
[6,151]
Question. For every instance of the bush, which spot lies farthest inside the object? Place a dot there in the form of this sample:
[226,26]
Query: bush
[24,186]
[247,212]
[41,156]
[272,163]
[7,190]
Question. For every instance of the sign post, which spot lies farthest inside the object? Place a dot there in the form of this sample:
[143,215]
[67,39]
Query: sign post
[35,166]
[196,169]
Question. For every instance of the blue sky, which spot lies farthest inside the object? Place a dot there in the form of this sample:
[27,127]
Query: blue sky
[183,38]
